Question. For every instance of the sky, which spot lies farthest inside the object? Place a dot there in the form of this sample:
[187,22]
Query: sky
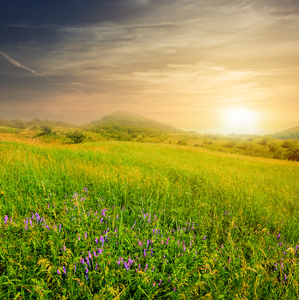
[193,64]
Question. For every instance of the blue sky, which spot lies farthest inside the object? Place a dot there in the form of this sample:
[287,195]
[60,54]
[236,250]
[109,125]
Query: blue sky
[182,62]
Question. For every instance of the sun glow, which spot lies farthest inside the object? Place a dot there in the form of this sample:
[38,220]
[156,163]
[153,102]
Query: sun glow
[240,121]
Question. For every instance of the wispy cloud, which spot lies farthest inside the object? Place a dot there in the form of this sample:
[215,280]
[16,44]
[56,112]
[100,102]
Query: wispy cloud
[19,65]
[161,58]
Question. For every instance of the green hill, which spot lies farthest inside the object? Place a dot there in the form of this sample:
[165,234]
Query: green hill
[132,120]
[292,133]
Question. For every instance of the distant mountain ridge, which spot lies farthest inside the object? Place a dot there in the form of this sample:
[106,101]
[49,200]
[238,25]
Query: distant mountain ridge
[133,120]
[292,134]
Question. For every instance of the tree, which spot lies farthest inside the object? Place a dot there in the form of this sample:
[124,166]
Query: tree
[76,136]
[293,153]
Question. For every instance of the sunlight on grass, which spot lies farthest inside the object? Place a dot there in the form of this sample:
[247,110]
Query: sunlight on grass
[140,221]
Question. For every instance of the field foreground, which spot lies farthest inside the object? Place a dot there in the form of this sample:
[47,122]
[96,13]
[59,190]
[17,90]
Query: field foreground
[117,220]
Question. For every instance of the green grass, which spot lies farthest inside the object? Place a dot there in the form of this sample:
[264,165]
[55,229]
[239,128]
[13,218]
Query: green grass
[233,210]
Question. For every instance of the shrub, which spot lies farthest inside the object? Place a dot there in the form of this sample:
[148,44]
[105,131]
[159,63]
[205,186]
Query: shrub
[231,143]
[293,153]
[183,142]
[46,129]
[76,136]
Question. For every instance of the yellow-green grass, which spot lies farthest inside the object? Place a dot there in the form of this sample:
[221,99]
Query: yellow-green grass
[248,203]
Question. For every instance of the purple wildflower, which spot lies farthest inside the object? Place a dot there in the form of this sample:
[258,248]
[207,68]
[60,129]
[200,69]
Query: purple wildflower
[86,271]
[88,262]
[102,241]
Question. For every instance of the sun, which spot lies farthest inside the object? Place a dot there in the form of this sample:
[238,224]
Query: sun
[239,120]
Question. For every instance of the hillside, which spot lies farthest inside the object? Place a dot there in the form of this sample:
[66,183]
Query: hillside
[133,120]
[292,133]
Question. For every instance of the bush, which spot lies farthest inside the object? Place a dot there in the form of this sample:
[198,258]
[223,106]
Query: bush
[231,143]
[293,153]
[76,136]
[183,142]
[46,129]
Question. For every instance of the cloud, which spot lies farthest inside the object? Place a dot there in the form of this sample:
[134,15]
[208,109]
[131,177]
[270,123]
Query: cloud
[19,65]
[16,63]
[161,56]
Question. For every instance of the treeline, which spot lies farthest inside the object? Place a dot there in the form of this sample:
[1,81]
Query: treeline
[253,146]
[124,133]
[35,124]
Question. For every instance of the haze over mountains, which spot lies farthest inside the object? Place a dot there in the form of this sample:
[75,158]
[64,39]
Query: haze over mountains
[291,133]
[122,120]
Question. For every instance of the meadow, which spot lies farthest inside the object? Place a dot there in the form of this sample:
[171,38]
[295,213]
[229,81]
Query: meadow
[127,220]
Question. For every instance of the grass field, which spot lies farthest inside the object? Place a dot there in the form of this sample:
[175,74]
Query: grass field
[125,220]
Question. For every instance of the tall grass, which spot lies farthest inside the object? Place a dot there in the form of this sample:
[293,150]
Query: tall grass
[231,223]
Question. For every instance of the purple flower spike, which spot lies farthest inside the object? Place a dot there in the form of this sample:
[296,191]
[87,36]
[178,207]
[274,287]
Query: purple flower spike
[204,237]
[58,272]
[64,270]
[102,240]
[5,219]
[278,236]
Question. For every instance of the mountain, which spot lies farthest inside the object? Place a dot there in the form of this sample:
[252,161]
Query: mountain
[132,120]
[292,134]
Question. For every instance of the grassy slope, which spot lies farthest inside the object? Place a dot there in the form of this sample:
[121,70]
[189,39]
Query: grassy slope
[176,176]
[179,184]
